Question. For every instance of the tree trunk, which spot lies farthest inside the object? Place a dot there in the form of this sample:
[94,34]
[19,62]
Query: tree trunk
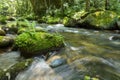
[40,6]
[106,4]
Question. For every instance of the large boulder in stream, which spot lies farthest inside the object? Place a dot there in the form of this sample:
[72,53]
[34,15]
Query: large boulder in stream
[37,43]
[100,20]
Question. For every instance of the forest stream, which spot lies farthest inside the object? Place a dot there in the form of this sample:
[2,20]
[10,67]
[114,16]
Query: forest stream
[91,53]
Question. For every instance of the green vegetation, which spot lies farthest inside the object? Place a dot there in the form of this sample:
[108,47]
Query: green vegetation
[89,78]
[67,12]
[11,73]
[21,28]
[38,43]
[101,20]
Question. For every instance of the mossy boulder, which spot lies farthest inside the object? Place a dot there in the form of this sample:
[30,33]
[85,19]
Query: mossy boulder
[2,32]
[3,20]
[69,22]
[37,43]
[73,20]
[100,20]
[23,29]
[6,41]
[50,20]
[118,22]
[13,71]
[10,27]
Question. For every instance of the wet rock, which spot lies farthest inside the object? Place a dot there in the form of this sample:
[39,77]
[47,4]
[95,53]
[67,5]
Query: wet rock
[39,29]
[6,41]
[2,32]
[39,70]
[56,61]
[11,27]
[116,38]
[38,43]
[13,30]
[12,72]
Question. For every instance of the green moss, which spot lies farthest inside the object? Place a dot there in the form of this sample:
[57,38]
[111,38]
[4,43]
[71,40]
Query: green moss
[13,71]
[80,14]
[3,19]
[1,41]
[51,20]
[101,19]
[1,38]
[32,43]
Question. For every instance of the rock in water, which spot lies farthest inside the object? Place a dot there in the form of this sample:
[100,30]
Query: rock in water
[37,43]
[6,41]
[57,62]
[100,20]
[2,32]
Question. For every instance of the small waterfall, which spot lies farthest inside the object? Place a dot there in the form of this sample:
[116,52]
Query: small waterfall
[39,70]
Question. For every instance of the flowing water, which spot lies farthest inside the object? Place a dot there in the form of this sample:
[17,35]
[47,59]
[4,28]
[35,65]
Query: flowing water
[88,52]
[7,59]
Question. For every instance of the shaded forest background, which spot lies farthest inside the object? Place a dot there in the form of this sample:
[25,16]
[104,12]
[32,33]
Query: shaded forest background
[54,8]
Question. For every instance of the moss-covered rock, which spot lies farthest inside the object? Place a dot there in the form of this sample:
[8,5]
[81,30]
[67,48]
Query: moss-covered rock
[23,29]
[118,22]
[12,72]
[3,19]
[6,41]
[69,22]
[100,20]
[10,27]
[37,43]
[50,19]
[2,32]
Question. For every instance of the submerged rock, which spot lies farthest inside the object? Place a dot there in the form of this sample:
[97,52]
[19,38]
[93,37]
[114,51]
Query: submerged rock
[56,61]
[95,66]
[31,44]
[39,70]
